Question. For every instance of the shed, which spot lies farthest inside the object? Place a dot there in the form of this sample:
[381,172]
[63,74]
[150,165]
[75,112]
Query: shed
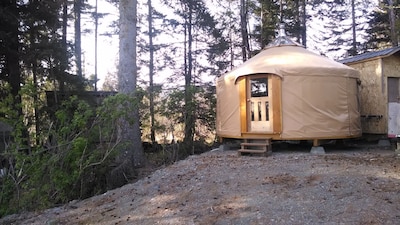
[286,92]
[380,90]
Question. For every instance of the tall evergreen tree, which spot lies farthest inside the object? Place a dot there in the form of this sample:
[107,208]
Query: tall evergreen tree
[244,31]
[295,17]
[41,41]
[335,13]
[189,101]
[129,132]
[32,50]
[151,72]
[229,24]
[393,18]
[10,20]
[383,28]
[267,13]
[200,36]
[151,47]
[270,13]
[303,17]
[360,14]
[343,23]
[78,49]
[63,63]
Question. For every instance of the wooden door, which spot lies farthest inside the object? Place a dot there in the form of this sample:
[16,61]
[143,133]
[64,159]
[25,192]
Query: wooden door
[394,107]
[259,104]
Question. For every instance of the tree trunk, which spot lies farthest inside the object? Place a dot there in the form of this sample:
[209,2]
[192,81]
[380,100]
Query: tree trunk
[262,27]
[353,50]
[303,24]
[11,72]
[12,57]
[64,63]
[96,25]
[34,66]
[245,34]
[297,20]
[231,44]
[392,22]
[189,104]
[151,73]
[129,134]
[78,49]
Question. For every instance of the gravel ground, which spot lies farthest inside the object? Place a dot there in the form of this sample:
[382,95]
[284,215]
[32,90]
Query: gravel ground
[355,185]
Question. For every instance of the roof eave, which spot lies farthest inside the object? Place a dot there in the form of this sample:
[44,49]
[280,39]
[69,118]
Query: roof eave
[364,60]
[394,51]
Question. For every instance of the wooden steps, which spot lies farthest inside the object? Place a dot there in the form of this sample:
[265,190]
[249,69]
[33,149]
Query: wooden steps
[256,147]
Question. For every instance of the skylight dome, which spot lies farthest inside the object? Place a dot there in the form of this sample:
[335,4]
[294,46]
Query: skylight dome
[282,39]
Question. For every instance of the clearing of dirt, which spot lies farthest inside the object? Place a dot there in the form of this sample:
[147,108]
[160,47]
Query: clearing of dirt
[356,185]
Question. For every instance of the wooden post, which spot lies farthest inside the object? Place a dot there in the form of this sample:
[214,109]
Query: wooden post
[316,143]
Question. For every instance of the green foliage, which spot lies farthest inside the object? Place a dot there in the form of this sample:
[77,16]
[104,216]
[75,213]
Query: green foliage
[74,163]
[267,13]
[202,106]
[206,113]
[73,117]
[6,195]
[379,29]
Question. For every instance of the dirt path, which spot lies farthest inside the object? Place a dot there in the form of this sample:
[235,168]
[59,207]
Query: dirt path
[356,186]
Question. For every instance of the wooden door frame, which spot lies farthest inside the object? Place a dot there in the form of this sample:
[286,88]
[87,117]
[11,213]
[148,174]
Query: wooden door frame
[276,102]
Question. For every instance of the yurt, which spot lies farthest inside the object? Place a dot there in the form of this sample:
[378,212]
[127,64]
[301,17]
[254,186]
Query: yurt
[286,92]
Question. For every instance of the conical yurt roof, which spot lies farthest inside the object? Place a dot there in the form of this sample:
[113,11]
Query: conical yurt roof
[285,57]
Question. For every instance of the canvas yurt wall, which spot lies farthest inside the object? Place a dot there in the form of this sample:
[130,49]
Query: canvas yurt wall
[312,97]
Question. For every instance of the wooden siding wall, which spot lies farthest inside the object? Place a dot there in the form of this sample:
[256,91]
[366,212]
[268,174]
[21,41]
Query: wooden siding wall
[373,96]
[391,66]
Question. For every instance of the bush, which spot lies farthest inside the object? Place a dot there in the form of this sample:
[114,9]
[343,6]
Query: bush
[79,150]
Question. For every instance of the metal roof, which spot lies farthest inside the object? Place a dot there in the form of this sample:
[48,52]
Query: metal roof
[369,55]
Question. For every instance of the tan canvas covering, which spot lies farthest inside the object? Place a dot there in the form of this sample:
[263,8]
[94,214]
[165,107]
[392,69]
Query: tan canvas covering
[319,96]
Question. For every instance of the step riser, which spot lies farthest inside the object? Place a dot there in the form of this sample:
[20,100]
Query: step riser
[263,148]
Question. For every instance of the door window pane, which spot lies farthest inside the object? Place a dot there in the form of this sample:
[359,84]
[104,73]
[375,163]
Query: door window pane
[259,87]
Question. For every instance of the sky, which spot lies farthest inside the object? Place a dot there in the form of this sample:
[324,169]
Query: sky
[107,46]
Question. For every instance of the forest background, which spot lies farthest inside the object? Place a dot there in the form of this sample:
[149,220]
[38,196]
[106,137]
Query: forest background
[63,139]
